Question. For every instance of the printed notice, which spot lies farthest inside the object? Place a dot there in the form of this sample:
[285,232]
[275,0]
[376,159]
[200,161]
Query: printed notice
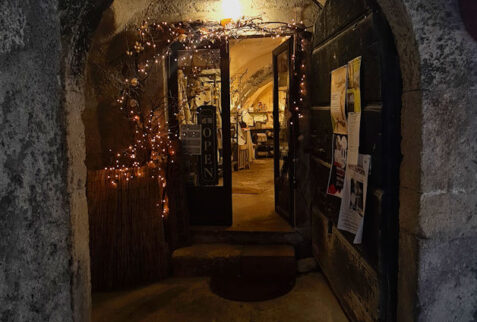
[191,139]
[338,167]
[354,121]
[354,85]
[353,102]
[339,78]
[353,203]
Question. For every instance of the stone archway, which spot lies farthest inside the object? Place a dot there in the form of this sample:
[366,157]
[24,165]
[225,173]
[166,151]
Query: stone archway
[407,50]
[425,35]
[401,26]
[405,23]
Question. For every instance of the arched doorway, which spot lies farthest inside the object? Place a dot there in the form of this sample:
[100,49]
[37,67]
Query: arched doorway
[363,274]
[398,104]
[410,62]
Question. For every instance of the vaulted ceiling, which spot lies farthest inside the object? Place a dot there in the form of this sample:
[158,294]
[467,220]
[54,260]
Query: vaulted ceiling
[251,63]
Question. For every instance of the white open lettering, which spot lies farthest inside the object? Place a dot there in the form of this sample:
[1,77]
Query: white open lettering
[207,132]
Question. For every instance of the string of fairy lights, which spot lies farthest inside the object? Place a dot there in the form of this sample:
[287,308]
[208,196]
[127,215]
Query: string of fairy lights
[155,143]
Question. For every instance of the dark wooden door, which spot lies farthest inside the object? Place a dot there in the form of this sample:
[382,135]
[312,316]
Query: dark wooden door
[283,131]
[199,107]
[363,276]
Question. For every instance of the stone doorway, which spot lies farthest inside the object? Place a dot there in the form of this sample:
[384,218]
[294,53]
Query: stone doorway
[46,230]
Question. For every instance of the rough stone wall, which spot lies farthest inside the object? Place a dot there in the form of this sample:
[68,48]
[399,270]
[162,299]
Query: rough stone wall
[35,279]
[438,193]
[78,207]
[44,255]
[78,20]
[106,127]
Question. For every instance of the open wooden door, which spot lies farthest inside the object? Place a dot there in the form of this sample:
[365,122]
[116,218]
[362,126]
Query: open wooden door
[283,131]
[363,276]
[199,106]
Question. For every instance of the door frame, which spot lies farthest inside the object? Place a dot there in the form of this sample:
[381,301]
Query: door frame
[197,194]
[220,196]
[285,46]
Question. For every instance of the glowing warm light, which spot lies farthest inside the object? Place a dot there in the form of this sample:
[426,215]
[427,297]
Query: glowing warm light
[153,139]
[231,9]
[225,22]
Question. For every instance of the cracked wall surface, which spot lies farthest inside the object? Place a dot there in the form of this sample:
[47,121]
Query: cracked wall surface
[34,217]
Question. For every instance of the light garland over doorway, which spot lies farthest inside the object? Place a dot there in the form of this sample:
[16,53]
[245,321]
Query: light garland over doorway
[154,143]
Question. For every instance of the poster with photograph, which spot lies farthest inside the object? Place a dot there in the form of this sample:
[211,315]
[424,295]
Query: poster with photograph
[353,203]
[338,166]
[339,80]
[356,193]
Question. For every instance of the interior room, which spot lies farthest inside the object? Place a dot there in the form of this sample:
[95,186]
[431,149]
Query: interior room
[252,123]
[251,167]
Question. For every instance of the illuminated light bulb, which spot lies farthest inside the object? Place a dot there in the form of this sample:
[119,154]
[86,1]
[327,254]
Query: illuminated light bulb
[231,9]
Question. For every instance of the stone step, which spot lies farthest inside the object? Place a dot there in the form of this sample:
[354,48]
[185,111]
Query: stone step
[219,235]
[240,272]
[234,260]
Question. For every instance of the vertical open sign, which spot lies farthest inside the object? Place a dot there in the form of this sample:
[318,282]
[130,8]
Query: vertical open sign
[208,159]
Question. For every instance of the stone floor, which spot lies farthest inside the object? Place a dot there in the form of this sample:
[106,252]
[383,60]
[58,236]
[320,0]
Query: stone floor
[190,300]
[253,199]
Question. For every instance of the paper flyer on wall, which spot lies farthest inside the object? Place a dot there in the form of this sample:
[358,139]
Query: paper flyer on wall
[339,79]
[353,203]
[191,139]
[353,99]
[338,165]
[353,102]
[354,121]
